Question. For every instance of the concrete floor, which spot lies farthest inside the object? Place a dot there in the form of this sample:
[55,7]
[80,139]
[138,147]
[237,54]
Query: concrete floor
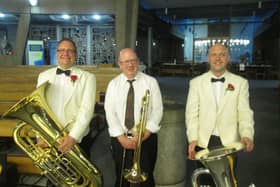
[261,167]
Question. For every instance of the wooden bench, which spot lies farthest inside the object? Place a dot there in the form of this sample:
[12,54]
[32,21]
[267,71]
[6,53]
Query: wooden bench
[17,82]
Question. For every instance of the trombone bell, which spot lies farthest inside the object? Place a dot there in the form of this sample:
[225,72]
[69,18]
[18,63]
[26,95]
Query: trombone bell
[133,176]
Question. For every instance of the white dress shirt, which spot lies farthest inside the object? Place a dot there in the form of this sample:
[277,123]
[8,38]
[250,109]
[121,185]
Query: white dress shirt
[115,103]
[218,88]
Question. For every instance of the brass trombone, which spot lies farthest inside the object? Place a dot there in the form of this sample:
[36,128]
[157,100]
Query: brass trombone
[135,174]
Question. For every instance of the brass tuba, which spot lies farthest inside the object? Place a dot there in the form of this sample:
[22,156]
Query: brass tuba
[70,169]
[219,164]
[135,175]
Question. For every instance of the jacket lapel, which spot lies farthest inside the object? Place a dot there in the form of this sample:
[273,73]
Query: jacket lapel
[208,90]
[71,85]
[52,76]
[225,93]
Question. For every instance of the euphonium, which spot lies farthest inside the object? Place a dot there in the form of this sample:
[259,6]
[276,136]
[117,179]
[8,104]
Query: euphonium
[135,175]
[70,169]
[219,164]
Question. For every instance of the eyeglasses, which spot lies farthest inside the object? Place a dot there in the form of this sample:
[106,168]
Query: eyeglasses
[132,61]
[218,54]
[71,51]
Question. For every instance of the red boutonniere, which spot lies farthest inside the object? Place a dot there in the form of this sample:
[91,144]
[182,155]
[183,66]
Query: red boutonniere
[73,78]
[230,87]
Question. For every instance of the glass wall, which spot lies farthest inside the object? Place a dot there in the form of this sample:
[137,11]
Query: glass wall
[94,36]
[238,35]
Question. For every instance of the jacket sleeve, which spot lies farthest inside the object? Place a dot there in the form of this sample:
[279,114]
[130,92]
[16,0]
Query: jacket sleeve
[86,109]
[245,114]
[192,112]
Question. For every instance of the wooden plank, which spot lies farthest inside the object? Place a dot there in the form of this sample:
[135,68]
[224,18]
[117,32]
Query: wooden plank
[7,126]
[37,69]
[4,106]
[17,82]
[24,164]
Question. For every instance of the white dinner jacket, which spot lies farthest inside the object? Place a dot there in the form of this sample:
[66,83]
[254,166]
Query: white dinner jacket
[80,100]
[233,118]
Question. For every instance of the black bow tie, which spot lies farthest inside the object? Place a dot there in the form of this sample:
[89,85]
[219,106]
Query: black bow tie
[60,71]
[218,80]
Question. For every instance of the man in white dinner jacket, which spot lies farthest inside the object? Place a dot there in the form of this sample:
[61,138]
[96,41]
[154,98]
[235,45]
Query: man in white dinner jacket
[218,111]
[71,95]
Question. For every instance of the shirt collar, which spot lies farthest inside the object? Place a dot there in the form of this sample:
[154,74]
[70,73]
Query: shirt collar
[71,68]
[223,75]
[135,78]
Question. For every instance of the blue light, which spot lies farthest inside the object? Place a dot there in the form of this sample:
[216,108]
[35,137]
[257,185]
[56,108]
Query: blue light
[65,16]
[2,15]
[96,17]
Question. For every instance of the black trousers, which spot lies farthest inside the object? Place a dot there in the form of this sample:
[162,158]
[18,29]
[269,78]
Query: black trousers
[214,143]
[147,161]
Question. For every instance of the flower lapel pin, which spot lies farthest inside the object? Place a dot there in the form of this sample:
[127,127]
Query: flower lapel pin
[230,87]
[73,78]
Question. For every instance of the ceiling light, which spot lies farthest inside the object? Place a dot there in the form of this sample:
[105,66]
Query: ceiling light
[166,11]
[2,15]
[33,2]
[259,4]
[96,17]
[65,16]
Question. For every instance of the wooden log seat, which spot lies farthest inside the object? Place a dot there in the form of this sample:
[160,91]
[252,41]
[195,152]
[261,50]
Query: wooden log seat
[19,81]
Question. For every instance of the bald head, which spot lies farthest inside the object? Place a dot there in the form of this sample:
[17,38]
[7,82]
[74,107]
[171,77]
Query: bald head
[128,62]
[127,52]
[218,59]
[218,47]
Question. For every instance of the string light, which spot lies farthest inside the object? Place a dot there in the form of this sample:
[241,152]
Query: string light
[230,42]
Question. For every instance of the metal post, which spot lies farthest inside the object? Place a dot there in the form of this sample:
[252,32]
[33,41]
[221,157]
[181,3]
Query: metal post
[149,47]
[89,45]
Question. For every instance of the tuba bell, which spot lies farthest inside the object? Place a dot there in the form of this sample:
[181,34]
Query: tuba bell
[135,174]
[71,169]
[219,164]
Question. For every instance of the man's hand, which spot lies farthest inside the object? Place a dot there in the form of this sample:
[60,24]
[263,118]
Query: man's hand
[191,149]
[127,143]
[248,144]
[146,135]
[66,144]
[41,143]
